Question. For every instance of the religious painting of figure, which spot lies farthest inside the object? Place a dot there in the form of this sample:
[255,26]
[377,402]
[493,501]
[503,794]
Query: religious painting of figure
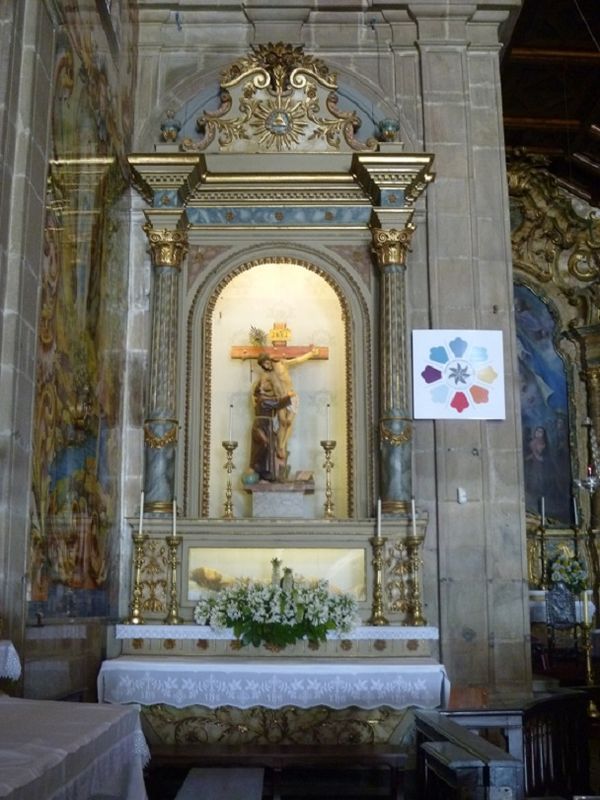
[544,410]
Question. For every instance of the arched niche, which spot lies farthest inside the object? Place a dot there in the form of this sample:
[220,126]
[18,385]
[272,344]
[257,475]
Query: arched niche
[322,306]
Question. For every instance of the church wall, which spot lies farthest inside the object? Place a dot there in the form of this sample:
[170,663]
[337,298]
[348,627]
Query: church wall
[26,40]
[66,100]
[483,605]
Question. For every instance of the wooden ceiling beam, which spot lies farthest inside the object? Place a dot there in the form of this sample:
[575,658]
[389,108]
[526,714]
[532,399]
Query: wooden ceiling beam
[550,54]
[541,123]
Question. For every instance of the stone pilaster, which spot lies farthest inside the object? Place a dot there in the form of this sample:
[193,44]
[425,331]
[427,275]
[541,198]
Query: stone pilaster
[168,248]
[395,427]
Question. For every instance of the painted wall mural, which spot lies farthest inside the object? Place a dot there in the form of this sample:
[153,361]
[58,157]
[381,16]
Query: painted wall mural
[544,410]
[80,357]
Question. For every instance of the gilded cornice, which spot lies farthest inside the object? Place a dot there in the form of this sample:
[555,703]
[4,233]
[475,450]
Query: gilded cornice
[408,174]
[551,242]
[155,172]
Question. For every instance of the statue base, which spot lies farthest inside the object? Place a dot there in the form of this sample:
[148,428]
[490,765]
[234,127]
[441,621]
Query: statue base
[282,498]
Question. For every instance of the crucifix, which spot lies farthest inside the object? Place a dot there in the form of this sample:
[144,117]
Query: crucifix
[275,400]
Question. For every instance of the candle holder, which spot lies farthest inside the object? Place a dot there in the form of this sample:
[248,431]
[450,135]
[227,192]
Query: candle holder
[542,582]
[173,617]
[414,605]
[328,446]
[229,467]
[135,615]
[377,615]
[586,631]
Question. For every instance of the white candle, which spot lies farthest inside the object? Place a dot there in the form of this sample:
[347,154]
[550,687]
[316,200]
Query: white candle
[231,422]
[543,509]
[378,530]
[174,517]
[575,515]
[141,511]
[414,516]
[328,407]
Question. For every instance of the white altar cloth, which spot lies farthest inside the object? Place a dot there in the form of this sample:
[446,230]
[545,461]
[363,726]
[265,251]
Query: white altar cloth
[53,750]
[387,632]
[273,683]
[10,665]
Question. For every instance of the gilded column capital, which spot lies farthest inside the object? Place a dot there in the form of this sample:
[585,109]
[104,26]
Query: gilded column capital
[390,246]
[168,247]
[592,377]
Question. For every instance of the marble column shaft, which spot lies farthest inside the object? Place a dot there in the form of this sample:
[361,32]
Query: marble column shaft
[168,248]
[395,427]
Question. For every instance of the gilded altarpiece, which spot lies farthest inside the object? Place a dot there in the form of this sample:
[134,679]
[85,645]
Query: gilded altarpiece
[556,258]
[278,233]
[278,230]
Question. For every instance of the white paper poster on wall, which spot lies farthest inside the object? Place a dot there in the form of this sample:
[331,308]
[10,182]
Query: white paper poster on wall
[458,375]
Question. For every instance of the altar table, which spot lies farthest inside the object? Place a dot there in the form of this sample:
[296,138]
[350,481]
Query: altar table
[52,750]
[10,665]
[273,683]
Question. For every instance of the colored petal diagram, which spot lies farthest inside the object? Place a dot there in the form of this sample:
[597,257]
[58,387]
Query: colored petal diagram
[458,374]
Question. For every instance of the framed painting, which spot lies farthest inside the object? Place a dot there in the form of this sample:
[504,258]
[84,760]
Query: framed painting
[210,569]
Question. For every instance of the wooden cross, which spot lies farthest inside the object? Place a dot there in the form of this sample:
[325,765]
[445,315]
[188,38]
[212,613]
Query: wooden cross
[279,348]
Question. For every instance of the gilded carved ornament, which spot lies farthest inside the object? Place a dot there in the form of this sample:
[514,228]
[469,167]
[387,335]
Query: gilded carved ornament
[391,246]
[551,242]
[157,442]
[168,247]
[395,439]
[278,99]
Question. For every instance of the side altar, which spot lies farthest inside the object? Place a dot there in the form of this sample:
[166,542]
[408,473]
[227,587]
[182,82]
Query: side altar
[278,215]
[198,683]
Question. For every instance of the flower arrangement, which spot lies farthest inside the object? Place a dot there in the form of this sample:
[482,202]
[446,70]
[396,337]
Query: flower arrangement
[565,568]
[279,613]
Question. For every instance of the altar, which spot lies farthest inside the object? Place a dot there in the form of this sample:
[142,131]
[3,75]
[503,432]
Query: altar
[284,700]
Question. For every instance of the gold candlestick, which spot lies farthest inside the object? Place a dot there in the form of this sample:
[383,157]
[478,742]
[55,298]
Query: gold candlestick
[542,583]
[229,466]
[586,630]
[414,605]
[329,446]
[173,617]
[377,615]
[135,615]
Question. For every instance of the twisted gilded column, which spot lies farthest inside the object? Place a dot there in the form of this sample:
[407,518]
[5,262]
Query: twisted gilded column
[168,248]
[395,424]
[589,339]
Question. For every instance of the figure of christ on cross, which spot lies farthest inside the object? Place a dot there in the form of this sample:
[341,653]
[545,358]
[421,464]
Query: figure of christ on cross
[275,382]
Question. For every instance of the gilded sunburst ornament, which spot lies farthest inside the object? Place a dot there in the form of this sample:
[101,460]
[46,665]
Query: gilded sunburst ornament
[279,122]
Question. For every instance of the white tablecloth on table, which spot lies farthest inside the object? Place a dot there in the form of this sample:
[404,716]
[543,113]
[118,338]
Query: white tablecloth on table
[53,750]
[273,683]
[362,632]
[10,666]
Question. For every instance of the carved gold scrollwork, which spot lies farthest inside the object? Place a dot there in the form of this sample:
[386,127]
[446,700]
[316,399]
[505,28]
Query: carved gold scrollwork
[550,240]
[168,247]
[285,725]
[391,246]
[277,98]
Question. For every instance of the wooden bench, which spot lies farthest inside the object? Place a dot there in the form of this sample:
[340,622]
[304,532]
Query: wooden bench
[454,762]
[278,757]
